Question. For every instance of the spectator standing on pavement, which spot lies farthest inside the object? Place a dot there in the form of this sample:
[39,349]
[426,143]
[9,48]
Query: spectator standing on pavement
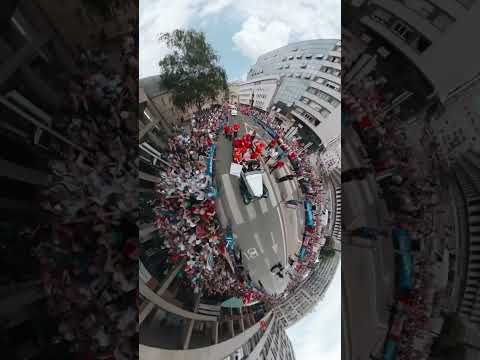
[286,178]
[278,165]
[272,154]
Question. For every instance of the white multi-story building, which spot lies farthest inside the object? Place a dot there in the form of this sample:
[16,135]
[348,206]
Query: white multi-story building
[307,295]
[259,92]
[428,34]
[319,106]
[331,158]
[234,91]
[295,64]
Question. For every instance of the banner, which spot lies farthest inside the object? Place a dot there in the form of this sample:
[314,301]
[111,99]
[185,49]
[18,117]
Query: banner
[308,214]
[210,158]
[267,128]
[390,350]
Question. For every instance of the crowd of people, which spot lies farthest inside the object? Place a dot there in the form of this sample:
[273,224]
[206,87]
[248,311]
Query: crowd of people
[186,212]
[403,171]
[88,253]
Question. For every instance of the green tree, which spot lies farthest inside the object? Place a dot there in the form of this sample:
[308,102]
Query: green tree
[191,72]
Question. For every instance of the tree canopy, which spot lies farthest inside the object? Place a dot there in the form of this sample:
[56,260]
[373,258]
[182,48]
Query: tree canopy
[191,72]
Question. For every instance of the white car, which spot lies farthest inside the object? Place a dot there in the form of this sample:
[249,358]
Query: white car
[234,112]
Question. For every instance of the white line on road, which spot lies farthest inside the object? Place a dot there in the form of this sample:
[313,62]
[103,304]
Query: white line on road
[252,214]
[272,195]
[263,205]
[258,241]
[268,263]
[232,201]
[221,214]
[274,243]
[283,234]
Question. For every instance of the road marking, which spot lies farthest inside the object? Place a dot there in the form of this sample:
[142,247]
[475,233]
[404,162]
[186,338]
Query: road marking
[232,201]
[221,214]
[268,263]
[274,243]
[258,241]
[271,194]
[263,206]
[283,233]
[275,248]
[252,253]
[252,214]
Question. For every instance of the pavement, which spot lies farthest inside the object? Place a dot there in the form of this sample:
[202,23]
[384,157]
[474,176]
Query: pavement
[266,230]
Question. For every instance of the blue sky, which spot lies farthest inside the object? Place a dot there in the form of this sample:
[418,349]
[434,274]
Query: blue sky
[239,31]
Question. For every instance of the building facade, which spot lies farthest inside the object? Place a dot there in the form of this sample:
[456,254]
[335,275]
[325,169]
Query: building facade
[318,107]
[414,34]
[306,296]
[295,64]
[234,92]
[260,92]
[465,289]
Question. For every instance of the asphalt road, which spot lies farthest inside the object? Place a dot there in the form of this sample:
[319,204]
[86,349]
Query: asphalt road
[266,230]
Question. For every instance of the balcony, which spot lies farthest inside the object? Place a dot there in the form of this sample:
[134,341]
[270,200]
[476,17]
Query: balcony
[319,101]
[311,111]
[326,76]
[336,94]
[335,53]
[331,64]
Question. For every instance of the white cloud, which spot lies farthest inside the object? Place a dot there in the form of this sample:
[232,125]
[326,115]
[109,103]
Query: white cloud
[318,335]
[266,24]
[257,37]
[270,24]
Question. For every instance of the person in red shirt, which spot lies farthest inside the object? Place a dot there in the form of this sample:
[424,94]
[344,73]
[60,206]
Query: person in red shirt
[236,129]
[278,165]
[237,143]
[273,143]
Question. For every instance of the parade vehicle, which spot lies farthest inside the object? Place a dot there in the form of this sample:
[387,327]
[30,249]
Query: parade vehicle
[252,186]
[234,111]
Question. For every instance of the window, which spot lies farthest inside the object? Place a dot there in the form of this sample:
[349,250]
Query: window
[381,16]
[402,30]
[290,57]
[466,3]
[308,56]
[319,57]
[299,56]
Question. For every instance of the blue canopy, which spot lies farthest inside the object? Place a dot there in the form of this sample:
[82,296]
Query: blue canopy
[302,253]
[229,241]
[390,350]
[308,214]
[233,302]
[406,272]
[402,238]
